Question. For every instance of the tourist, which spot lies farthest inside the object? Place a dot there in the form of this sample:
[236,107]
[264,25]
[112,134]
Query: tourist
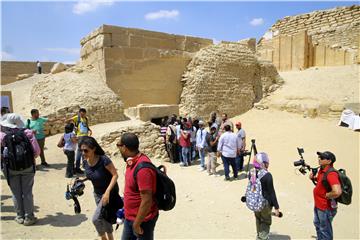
[36,123]
[263,218]
[325,204]
[141,211]
[70,141]
[185,144]
[225,121]
[39,67]
[242,137]
[201,144]
[228,148]
[171,141]
[102,173]
[21,182]
[212,139]
[82,129]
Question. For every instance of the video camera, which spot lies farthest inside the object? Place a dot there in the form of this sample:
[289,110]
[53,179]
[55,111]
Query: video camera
[73,192]
[304,167]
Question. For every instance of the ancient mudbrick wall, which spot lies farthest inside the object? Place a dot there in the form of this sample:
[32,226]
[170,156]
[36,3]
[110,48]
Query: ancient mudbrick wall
[140,66]
[225,78]
[11,69]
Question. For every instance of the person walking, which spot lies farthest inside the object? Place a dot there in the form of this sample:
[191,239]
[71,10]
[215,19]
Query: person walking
[102,173]
[141,211]
[263,217]
[38,67]
[201,144]
[20,175]
[36,123]
[185,144]
[70,141]
[228,148]
[325,207]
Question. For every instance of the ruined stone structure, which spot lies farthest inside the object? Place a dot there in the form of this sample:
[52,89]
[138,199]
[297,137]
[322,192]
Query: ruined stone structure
[320,38]
[224,78]
[59,97]
[151,143]
[148,112]
[11,69]
[139,65]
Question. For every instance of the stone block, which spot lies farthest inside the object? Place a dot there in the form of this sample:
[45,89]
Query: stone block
[133,53]
[320,53]
[137,41]
[285,52]
[120,39]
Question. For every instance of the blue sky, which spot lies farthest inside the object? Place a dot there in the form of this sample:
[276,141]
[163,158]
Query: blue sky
[51,31]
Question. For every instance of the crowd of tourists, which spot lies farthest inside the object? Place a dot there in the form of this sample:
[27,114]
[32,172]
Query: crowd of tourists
[187,140]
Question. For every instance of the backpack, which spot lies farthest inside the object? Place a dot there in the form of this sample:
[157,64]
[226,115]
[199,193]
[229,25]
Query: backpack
[18,152]
[346,187]
[82,126]
[254,198]
[172,136]
[165,187]
[108,212]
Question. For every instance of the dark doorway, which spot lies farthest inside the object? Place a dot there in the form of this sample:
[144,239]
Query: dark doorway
[157,121]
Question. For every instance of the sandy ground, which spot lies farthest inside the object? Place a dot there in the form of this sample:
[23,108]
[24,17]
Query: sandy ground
[208,207]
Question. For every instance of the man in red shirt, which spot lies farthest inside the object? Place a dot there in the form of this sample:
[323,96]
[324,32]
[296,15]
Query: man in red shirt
[141,211]
[325,203]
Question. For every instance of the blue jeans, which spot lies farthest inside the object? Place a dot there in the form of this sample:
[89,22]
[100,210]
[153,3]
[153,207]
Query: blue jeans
[202,157]
[179,152]
[322,222]
[148,228]
[229,161]
[185,151]
[239,160]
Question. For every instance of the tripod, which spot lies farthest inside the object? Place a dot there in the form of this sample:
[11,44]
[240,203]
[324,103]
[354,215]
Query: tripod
[252,149]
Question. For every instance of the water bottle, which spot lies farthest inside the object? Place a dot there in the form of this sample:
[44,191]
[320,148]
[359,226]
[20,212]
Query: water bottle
[333,203]
[120,216]
[6,152]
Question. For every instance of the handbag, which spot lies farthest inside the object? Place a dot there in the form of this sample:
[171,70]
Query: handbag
[61,142]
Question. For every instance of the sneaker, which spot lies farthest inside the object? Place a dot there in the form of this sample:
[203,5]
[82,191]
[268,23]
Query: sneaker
[45,164]
[201,169]
[236,178]
[227,179]
[19,219]
[29,221]
[78,170]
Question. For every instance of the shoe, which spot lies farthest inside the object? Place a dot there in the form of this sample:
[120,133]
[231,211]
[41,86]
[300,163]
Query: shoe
[227,179]
[209,173]
[29,221]
[236,178]
[45,164]
[182,164]
[78,170]
[201,169]
[19,219]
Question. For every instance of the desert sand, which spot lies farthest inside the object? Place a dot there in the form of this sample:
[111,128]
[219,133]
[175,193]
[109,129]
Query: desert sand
[208,207]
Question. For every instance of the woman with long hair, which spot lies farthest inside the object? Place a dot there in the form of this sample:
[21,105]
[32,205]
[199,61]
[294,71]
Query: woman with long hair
[100,170]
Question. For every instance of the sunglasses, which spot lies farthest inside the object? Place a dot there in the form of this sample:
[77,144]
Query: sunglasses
[84,150]
[119,145]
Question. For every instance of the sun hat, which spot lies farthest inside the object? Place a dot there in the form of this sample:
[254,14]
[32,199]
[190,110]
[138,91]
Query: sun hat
[12,120]
[259,159]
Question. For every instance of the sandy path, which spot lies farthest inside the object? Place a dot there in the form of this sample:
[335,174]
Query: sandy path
[207,207]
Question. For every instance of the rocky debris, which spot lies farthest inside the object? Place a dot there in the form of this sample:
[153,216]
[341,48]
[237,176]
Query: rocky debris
[225,78]
[58,67]
[23,76]
[151,143]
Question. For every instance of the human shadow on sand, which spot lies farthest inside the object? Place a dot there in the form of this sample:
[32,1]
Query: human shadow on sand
[62,220]
[275,236]
[12,209]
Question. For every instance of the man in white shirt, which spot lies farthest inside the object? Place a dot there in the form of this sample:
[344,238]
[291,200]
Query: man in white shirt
[201,144]
[228,148]
[39,68]
[242,136]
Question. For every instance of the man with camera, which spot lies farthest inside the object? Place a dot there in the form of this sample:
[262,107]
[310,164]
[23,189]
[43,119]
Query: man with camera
[325,203]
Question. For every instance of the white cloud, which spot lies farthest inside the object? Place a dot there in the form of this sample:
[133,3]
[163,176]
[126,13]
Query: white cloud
[84,6]
[69,51]
[257,22]
[173,14]
[6,56]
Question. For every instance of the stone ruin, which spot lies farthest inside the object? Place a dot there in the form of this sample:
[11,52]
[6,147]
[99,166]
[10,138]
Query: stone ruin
[225,78]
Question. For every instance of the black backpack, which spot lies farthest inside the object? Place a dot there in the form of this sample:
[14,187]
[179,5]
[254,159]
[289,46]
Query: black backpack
[109,211]
[346,187]
[172,135]
[165,187]
[18,152]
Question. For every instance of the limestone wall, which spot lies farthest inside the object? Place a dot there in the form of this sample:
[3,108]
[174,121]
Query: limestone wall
[225,78]
[140,63]
[320,38]
[11,69]
[151,143]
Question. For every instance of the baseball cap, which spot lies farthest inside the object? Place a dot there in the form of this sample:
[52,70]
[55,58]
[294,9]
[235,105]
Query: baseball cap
[327,155]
